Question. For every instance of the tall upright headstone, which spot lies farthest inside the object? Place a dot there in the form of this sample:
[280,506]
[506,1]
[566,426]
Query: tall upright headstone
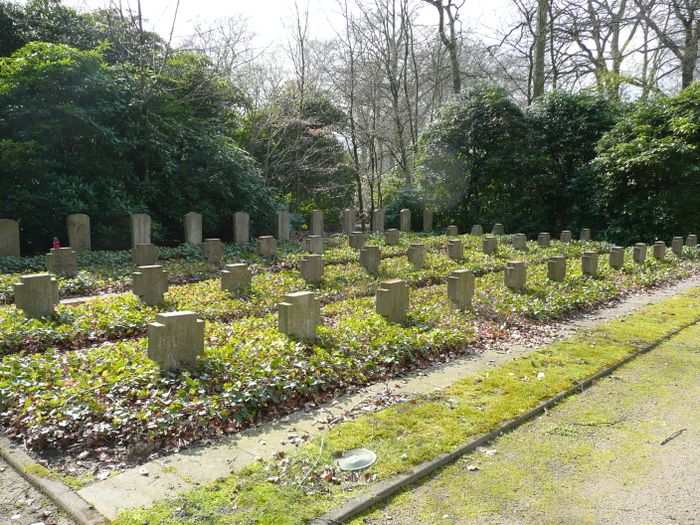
[617,257]
[283,225]
[455,249]
[36,295]
[299,314]
[515,275]
[460,288]
[498,229]
[565,236]
[9,238]
[314,244]
[452,230]
[427,220]
[639,252]
[586,234]
[677,246]
[405,215]
[556,268]
[691,240]
[392,300]
[659,250]
[316,222]
[589,264]
[241,227]
[140,229]
[348,221]
[543,239]
[370,258]
[175,340]
[416,255]
[213,250]
[489,245]
[311,268]
[150,283]
[78,226]
[193,227]
[62,261]
[519,241]
[477,229]
[378,220]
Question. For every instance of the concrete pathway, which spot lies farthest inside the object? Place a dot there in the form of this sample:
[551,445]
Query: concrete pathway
[163,477]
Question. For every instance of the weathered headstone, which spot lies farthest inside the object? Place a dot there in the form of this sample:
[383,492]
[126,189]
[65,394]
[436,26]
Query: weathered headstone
[78,226]
[617,257]
[691,240]
[9,238]
[266,246]
[348,221]
[311,268]
[140,229]
[391,236]
[677,246]
[455,249]
[314,244]
[659,250]
[283,226]
[370,257]
[519,241]
[460,288]
[316,222]
[299,314]
[193,227]
[356,240]
[62,261]
[175,340]
[241,227]
[565,236]
[405,215]
[477,229]
[498,229]
[144,254]
[378,220]
[589,263]
[427,220]
[236,277]
[213,250]
[639,252]
[150,283]
[416,255]
[586,234]
[489,245]
[452,230]
[556,268]
[392,300]
[515,275]
[543,240]
[36,295]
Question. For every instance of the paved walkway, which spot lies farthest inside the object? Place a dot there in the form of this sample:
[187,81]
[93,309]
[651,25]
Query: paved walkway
[163,477]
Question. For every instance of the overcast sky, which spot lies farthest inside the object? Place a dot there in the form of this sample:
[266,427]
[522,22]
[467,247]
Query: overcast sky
[267,18]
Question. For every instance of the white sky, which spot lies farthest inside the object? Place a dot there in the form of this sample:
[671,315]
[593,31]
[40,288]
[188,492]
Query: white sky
[267,18]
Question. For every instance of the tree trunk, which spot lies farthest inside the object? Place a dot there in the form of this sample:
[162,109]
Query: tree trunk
[540,45]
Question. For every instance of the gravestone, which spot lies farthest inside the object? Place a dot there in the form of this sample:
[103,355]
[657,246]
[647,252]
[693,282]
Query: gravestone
[283,226]
[356,240]
[556,268]
[78,226]
[140,229]
[565,236]
[193,227]
[543,240]
[460,288]
[416,255]
[314,244]
[213,250]
[659,250]
[144,254]
[370,257]
[677,246]
[175,340]
[266,246]
[378,220]
[62,261]
[392,300]
[150,283]
[391,237]
[9,238]
[586,234]
[427,220]
[589,264]
[311,268]
[477,229]
[299,314]
[617,257]
[489,245]
[348,221]
[498,229]
[405,215]
[236,277]
[455,249]
[691,240]
[515,275]
[316,222]
[639,252]
[452,230]
[519,241]
[36,295]
[241,227]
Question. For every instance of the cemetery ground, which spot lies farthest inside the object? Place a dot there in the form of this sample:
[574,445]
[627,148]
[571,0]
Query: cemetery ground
[78,391]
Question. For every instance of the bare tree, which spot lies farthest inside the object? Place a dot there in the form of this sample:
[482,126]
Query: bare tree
[448,35]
